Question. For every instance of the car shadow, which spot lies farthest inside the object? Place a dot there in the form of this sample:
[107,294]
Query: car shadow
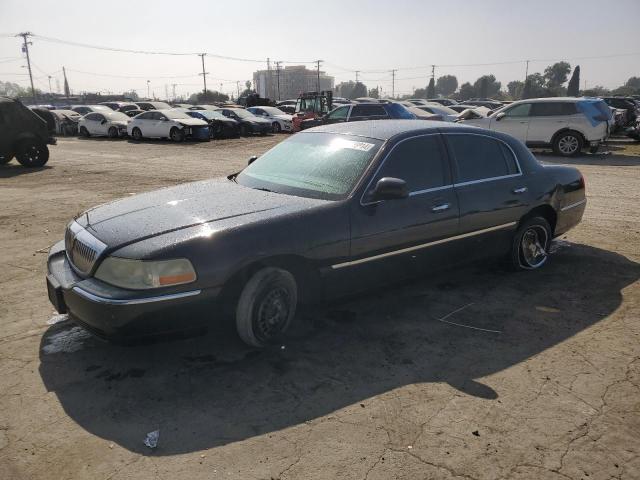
[596,159]
[209,391]
[14,169]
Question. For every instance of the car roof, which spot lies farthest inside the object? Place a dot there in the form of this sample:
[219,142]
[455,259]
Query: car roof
[555,99]
[386,129]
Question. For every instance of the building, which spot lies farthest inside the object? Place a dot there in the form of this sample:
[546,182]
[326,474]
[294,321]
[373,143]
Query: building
[289,82]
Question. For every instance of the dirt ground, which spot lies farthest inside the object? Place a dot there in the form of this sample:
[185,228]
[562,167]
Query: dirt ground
[546,386]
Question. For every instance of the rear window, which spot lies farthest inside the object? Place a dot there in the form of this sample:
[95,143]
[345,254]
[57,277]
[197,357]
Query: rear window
[478,157]
[368,111]
[399,111]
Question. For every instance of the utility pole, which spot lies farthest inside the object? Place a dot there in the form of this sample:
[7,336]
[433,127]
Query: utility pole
[25,49]
[357,75]
[526,72]
[166,92]
[148,85]
[204,76]
[268,83]
[393,83]
[278,75]
[50,91]
[174,91]
[318,62]
[238,86]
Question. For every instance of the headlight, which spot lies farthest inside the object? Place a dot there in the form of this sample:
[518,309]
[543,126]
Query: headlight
[142,274]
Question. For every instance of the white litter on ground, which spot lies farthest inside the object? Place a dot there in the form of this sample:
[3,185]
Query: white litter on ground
[152,439]
[57,318]
[67,341]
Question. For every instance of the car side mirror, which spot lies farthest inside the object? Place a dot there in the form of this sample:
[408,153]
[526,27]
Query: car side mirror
[103,122]
[500,116]
[252,159]
[389,188]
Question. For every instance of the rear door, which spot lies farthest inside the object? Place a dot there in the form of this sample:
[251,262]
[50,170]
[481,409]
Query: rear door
[515,122]
[92,124]
[492,192]
[547,118]
[394,238]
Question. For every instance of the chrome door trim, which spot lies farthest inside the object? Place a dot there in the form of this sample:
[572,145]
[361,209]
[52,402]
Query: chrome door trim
[573,205]
[133,301]
[423,245]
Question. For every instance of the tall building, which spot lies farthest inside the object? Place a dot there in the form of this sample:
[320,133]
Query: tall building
[292,81]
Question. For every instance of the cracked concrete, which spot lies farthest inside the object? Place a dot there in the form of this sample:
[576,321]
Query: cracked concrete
[371,388]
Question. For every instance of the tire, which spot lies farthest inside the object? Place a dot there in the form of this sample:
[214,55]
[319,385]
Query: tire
[84,132]
[568,144]
[136,133]
[266,306]
[113,132]
[32,154]
[244,131]
[530,246]
[275,127]
[217,130]
[5,158]
[176,135]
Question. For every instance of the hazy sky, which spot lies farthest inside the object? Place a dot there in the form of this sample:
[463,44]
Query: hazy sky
[375,35]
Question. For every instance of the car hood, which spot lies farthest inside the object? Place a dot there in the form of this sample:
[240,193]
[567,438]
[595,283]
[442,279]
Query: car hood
[288,118]
[193,122]
[256,120]
[143,216]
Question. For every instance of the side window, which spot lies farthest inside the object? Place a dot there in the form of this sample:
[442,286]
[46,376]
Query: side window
[418,161]
[92,116]
[339,113]
[478,157]
[549,109]
[375,111]
[157,116]
[99,117]
[521,110]
[144,116]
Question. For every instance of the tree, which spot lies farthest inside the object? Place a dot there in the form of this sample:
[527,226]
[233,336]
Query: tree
[492,86]
[534,87]
[420,93]
[556,75]
[634,83]
[467,91]
[431,89]
[209,97]
[515,89]
[359,90]
[597,91]
[446,85]
[374,93]
[573,90]
[10,89]
[132,94]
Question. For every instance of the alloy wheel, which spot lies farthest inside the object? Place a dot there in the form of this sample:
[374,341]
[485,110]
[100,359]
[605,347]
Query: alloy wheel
[568,145]
[533,247]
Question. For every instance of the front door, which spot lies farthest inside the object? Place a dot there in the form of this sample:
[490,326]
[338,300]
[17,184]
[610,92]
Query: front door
[398,238]
[515,121]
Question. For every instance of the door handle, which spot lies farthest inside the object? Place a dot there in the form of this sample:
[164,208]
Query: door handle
[519,190]
[440,208]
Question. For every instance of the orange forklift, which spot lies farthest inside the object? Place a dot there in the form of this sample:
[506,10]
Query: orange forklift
[312,105]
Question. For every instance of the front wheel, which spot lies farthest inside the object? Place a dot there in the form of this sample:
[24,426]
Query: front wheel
[530,247]
[275,128]
[244,131]
[266,306]
[136,133]
[113,132]
[568,144]
[33,154]
[84,132]
[177,135]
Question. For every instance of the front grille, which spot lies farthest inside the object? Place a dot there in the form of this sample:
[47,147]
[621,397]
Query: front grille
[82,248]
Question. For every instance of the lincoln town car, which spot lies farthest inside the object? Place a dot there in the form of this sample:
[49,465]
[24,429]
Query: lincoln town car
[332,210]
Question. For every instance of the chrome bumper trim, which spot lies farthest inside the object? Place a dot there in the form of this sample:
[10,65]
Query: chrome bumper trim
[133,301]
[573,205]
[423,245]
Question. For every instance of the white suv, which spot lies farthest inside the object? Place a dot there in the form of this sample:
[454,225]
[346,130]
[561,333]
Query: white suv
[565,124]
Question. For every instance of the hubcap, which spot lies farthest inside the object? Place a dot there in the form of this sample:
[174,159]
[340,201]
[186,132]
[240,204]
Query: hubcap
[272,314]
[533,251]
[568,144]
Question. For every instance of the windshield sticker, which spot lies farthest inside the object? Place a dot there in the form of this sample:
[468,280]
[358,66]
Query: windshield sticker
[339,143]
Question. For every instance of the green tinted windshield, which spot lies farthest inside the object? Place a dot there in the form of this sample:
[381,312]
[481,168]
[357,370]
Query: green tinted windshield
[315,165]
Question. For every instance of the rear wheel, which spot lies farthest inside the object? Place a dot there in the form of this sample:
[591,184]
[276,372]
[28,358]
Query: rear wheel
[32,154]
[84,132]
[177,135]
[136,133]
[530,247]
[275,127]
[568,144]
[113,132]
[266,306]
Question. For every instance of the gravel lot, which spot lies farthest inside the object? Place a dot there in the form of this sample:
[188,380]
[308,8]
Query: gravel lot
[374,387]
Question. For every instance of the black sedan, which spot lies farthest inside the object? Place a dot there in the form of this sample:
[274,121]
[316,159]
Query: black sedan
[219,125]
[249,123]
[326,212]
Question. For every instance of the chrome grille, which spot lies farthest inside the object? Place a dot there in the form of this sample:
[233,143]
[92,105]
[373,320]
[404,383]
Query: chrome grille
[82,248]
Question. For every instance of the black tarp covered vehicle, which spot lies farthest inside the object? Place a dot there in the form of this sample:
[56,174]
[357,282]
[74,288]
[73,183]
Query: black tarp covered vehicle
[23,135]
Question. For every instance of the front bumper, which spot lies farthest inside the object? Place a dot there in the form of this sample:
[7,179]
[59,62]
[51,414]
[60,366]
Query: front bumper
[116,313]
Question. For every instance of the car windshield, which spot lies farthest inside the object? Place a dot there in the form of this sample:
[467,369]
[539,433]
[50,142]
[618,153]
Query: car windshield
[273,111]
[442,109]
[116,116]
[313,165]
[175,114]
[242,113]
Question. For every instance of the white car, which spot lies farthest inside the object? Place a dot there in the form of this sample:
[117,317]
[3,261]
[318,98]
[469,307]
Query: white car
[84,109]
[103,124]
[447,114]
[566,124]
[280,121]
[168,123]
